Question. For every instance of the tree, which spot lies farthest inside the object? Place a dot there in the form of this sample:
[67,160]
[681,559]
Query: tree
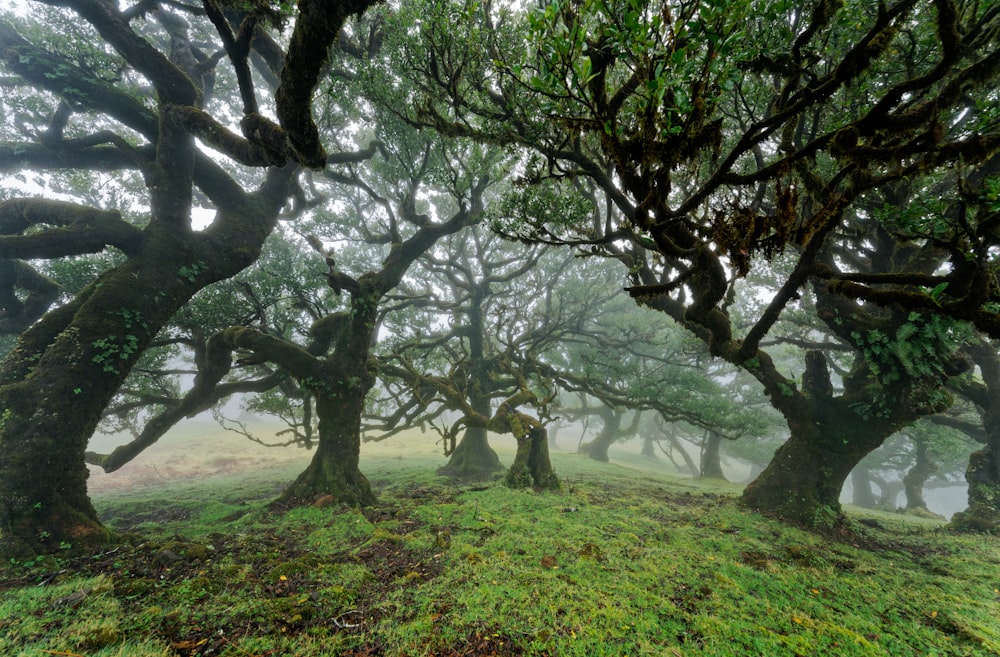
[95,89]
[983,472]
[504,305]
[372,216]
[279,295]
[728,133]
[924,455]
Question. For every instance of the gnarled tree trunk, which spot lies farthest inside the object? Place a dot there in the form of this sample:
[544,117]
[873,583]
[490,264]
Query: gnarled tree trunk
[597,448]
[64,372]
[473,458]
[334,467]
[711,457]
[531,466]
[983,477]
[827,440]
[983,471]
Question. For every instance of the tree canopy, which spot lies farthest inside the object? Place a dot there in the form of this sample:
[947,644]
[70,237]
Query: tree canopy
[117,112]
[763,173]
[857,138]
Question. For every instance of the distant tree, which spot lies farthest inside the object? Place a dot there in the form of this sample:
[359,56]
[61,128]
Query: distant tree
[94,93]
[628,359]
[497,304]
[925,454]
[727,133]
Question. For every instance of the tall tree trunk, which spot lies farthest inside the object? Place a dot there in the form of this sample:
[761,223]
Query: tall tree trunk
[597,448]
[473,458]
[334,467]
[861,486]
[711,457]
[917,476]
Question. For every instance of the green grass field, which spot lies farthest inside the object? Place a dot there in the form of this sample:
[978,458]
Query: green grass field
[622,561]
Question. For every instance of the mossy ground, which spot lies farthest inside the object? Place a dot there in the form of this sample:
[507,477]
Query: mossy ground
[618,562]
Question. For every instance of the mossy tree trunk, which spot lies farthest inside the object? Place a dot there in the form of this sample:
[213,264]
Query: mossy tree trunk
[334,469]
[341,381]
[983,477]
[66,369]
[983,471]
[473,458]
[531,466]
[68,365]
[828,438]
[804,479]
[983,512]
[341,384]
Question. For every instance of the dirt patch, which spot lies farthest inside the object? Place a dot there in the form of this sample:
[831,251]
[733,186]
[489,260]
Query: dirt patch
[151,513]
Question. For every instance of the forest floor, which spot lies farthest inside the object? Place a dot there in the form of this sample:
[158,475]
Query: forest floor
[626,559]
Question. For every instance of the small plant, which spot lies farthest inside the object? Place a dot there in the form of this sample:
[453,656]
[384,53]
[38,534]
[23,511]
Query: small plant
[111,351]
[193,271]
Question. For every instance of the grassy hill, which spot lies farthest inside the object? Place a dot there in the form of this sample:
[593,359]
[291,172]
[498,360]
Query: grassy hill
[622,561]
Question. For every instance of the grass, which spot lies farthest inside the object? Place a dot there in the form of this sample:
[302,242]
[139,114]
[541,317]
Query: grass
[620,562]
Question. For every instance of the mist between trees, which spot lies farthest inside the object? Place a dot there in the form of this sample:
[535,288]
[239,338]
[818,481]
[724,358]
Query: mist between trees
[750,232]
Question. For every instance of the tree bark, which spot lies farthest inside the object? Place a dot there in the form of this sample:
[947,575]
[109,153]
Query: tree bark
[917,476]
[334,469]
[711,457]
[473,458]
[597,448]
[64,372]
[532,466]
[803,481]
[67,367]
[983,471]
[983,477]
